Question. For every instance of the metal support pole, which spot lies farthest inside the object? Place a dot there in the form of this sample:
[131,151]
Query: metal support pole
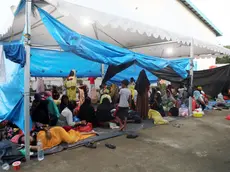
[191,75]
[102,71]
[27,78]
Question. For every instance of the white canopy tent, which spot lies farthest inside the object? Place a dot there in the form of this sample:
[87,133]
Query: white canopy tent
[124,32]
[7,15]
[137,36]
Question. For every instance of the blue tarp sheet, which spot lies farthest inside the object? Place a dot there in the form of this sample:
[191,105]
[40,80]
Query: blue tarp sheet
[15,51]
[11,95]
[102,52]
[47,63]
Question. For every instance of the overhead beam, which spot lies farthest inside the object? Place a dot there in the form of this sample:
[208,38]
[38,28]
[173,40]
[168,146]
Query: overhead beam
[151,45]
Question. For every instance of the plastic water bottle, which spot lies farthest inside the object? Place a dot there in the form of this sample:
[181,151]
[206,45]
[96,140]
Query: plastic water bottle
[40,151]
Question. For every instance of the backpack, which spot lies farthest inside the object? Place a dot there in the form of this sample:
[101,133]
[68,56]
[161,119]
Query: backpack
[9,152]
[135,116]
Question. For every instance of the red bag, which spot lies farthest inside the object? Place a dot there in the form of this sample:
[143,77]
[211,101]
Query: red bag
[85,128]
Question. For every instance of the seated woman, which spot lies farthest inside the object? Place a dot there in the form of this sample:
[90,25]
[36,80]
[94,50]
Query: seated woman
[66,119]
[156,101]
[199,98]
[87,112]
[53,109]
[204,96]
[104,113]
[39,110]
[106,95]
[55,93]
[169,101]
[66,103]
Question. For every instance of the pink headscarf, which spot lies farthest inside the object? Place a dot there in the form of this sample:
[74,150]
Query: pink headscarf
[47,94]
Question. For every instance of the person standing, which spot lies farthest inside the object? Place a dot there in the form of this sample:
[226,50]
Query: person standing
[71,86]
[40,85]
[132,82]
[92,82]
[142,87]
[123,106]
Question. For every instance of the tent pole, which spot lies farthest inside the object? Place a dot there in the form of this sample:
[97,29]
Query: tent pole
[191,74]
[27,78]
[102,71]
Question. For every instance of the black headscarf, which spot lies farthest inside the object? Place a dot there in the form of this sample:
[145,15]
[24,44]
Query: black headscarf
[142,83]
[69,104]
[104,111]
[152,96]
[39,110]
[87,111]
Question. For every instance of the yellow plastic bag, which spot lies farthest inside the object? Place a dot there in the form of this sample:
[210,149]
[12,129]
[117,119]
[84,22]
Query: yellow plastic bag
[156,116]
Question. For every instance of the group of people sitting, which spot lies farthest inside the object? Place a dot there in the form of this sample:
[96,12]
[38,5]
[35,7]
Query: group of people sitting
[69,113]
[169,103]
[62,118]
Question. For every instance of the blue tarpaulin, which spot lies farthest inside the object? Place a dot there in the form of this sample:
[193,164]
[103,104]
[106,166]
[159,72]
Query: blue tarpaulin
[102,52]
[11,97]
[15,51]
[48,63]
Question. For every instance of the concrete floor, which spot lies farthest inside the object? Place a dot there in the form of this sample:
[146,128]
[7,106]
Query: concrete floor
[194,145]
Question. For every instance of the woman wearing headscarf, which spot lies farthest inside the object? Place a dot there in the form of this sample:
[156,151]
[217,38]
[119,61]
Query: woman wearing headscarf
[106,95]
[39,110]
[87,112]
[55,93]
[53,109]
[66,103]
[40,85]
[103,113]
[158,100]
[142,87]
[199,98]
[71,85]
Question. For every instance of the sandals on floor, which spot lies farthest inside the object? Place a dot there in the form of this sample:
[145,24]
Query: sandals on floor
[91,145]
[110,146]
[131,136]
